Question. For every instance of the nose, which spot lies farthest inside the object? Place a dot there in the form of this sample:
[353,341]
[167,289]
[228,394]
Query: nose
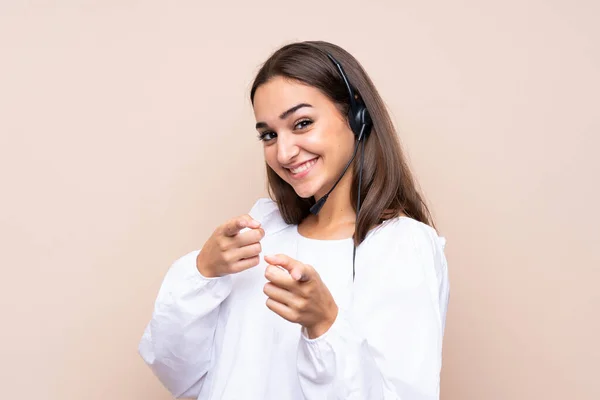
[287,149]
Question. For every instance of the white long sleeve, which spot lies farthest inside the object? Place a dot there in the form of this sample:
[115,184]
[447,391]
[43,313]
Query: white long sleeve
[177,343]
[215,339]
[389,346]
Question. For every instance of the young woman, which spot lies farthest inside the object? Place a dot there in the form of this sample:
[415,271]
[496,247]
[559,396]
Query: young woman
[305,298]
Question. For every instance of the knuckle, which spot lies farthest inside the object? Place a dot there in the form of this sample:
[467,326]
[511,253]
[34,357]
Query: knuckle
[295,316]
[244,264]
[227,257]
[229,225]
[301,304]
[235,222]
[306,294]
[254,261]
[221,245]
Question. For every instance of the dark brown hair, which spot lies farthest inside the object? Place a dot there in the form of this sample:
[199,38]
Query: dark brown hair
[388,188]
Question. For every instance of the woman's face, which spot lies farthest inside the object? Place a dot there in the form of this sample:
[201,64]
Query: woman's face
[307,141]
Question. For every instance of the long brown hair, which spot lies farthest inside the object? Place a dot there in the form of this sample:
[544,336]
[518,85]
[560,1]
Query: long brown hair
[388,188]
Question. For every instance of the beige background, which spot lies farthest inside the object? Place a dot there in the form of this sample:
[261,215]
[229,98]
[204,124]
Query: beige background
[127,136]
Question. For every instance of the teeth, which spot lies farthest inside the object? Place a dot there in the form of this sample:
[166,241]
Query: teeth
[303,167]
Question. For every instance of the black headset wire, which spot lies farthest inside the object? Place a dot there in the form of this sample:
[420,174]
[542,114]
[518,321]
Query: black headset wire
[360,141]
[360,173]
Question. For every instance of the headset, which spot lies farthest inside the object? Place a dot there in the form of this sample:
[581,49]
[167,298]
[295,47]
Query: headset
[361,124]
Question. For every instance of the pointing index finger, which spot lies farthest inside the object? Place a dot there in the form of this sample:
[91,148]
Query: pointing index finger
[234,226]
[297,270]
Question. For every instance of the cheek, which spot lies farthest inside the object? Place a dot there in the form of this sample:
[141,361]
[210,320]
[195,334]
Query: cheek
[270,153]
[337,146]
[317,142]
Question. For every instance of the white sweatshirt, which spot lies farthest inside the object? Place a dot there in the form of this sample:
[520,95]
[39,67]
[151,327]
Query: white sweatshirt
[215,339]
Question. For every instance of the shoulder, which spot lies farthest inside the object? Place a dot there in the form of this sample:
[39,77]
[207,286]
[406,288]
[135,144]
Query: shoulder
[410,251]
[407,233]
[267,213]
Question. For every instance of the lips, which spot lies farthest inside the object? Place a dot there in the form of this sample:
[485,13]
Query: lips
[303,169]
[304,166]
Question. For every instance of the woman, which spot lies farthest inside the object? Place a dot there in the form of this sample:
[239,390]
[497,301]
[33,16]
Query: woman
[280,304]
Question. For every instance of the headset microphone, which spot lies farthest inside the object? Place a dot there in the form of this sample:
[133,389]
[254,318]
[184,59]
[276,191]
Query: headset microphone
[319,204]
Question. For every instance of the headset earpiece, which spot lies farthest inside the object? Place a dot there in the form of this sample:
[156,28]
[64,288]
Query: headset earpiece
[358,115]
[363,122]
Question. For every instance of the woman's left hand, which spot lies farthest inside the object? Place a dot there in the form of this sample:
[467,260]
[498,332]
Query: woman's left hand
[299,295]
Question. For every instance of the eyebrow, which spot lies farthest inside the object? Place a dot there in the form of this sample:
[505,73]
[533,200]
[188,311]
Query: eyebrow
[284,115]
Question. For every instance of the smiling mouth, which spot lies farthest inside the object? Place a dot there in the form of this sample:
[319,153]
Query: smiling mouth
[302,170]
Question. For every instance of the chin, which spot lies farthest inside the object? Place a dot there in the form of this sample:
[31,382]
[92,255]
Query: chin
[305,194]
[305,191]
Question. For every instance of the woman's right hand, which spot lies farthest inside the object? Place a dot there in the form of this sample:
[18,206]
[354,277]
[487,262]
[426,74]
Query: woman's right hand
[228,251]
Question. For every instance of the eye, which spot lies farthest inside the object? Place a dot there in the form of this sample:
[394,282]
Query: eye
[302,124]
[266,136]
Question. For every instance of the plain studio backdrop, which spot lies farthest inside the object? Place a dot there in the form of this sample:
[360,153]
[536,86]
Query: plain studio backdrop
[127,136]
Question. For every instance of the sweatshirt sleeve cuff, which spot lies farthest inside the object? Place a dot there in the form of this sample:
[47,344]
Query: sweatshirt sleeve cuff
[339,363]
[340,325]
[318,357]
[185,281]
